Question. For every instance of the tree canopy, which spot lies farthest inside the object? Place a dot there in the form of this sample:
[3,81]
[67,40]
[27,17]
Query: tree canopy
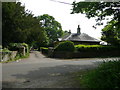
[111,34]
[52,27]
[20,26]
[101,10]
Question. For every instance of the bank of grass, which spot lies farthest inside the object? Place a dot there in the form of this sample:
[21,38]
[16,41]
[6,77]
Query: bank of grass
[107,75]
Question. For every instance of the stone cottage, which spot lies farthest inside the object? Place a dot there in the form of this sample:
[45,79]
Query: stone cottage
[80,38]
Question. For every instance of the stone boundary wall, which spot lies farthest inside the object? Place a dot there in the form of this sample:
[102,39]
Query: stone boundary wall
[83,54]
[5,56]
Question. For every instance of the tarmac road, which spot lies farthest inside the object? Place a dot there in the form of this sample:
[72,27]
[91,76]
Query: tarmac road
[38,71]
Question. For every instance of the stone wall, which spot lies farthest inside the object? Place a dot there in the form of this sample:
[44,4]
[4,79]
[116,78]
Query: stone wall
[22,50]
[5,56]
[84,54]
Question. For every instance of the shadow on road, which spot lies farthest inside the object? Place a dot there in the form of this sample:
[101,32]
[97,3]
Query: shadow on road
[49,77]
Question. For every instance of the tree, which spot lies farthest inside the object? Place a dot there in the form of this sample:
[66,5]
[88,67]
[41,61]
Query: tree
[20,26]
[111,34]
[102,10]
[9,21]
[51,26]
[38,36]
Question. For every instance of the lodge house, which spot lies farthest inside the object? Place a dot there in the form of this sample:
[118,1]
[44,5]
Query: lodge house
[80,38]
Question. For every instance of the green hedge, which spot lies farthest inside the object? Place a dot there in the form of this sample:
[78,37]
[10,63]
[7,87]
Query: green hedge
[98,48]
[65,46]
[44,50]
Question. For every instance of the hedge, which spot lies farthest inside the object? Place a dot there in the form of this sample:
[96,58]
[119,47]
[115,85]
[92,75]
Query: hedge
[65,46]
[98,48]
[44,50]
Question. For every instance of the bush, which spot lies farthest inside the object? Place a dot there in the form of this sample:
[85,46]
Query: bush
[65,46]
[16,46]
[107,75]
[5,50]
[44,50]
[97,48]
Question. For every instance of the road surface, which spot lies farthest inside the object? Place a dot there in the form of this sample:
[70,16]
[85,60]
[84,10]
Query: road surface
[38,71]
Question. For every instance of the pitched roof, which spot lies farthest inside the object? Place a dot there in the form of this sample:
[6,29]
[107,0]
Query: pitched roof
[79,37]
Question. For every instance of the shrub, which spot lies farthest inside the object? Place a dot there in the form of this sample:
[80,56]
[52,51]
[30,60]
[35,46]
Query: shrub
[44,50]
[16,46]
[97,48]
[107,75]
[65,46]
[5,50]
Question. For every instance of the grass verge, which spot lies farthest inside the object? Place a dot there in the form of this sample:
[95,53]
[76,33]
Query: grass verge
[107,75]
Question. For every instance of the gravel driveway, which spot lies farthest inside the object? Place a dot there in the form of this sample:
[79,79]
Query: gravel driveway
[38,71]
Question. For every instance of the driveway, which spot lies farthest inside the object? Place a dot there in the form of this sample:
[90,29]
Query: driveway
[38,71]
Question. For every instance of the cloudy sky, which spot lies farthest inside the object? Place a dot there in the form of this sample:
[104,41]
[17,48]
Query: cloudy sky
[61,12]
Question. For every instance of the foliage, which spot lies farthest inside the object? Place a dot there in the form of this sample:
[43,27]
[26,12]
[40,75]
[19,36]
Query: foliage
[107,75]
[20,26]
[102,10]
[15,46]
[99,9]
[20,56]
[17,57]
[95,48]
[65,46]
[18,44]
[111,34]
[6,50]
[44,50]
[51,26]
[65,33]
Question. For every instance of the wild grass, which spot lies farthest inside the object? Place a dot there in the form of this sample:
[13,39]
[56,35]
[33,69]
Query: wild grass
[107,75]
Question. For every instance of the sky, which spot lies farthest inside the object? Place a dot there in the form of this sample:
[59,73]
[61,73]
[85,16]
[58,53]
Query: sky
[61,13]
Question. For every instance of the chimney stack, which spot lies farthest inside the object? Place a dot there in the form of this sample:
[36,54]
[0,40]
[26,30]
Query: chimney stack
[69,31]
[78,30]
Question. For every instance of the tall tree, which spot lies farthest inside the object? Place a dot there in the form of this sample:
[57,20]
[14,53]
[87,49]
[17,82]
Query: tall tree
[102,10]
[52,27]
[20,26]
